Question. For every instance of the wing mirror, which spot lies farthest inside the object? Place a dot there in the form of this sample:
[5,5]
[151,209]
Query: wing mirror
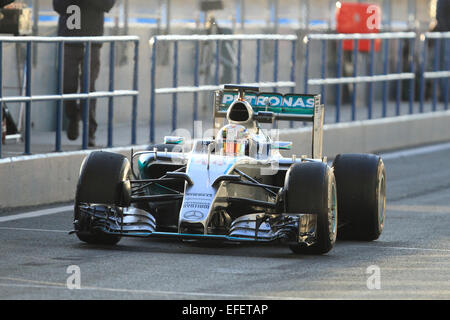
[282,145]
[174,140]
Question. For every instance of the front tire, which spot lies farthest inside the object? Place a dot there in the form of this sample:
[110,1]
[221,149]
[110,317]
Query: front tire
[100,181]
[310,188]
[361,186]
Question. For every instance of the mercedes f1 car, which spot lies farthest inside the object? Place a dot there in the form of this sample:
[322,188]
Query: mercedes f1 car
[235,186]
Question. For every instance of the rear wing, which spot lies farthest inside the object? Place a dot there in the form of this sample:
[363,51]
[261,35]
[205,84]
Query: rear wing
[272,106]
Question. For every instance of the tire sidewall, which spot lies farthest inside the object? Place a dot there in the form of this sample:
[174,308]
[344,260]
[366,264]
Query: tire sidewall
[381,198]
[326,230]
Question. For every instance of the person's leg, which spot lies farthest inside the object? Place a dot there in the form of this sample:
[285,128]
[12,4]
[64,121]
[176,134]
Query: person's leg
[70,85]
[93,75]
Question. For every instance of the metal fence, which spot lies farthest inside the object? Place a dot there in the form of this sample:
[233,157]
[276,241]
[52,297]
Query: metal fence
[372,78]
[417,65]
[85,94]
[411,70]
[196,87]
[441,71]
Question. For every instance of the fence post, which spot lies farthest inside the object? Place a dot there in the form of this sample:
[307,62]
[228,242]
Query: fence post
[338,86]
[196,83]
[275,71]
[399,82]
[112,57]
[217,63]
[152,90]
[422,74]
[175,84]
[446,68]
[371,67]
[385,71]
[412,70]
[59,103]
[135,97]
[293,63]
[437,44]
[323,69]
[28,103]
[258,60]
[355,72]
[275,62]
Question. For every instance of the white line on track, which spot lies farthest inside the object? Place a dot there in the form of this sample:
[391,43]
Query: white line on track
[404,248]
[26,283]
[38,213]
[416,151]
[28,229]
[419,208]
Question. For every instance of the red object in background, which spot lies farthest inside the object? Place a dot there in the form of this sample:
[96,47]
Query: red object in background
[358,18]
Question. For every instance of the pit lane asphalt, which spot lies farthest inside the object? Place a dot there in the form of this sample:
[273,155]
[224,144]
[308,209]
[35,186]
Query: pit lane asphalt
[413,254]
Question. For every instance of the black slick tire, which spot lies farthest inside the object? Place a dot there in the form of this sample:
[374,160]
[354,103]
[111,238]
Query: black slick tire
[361,190]
[310,188]
[99,183]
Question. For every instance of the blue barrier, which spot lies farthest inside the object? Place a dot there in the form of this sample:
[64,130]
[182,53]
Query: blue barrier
[85,94]
[196,88]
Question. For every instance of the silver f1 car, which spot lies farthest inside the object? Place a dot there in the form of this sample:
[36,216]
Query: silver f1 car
[235,186]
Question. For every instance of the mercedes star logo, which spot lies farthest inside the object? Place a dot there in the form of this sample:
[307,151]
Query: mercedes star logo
[193,215]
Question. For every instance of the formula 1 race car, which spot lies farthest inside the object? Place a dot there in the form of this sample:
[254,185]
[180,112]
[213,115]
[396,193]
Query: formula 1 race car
[235,186]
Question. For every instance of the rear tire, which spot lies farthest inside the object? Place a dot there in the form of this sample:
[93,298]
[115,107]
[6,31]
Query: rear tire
[99,183]
[361,190]
[311,188]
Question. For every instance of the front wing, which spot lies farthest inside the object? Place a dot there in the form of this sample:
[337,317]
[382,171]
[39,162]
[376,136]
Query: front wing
[256,228]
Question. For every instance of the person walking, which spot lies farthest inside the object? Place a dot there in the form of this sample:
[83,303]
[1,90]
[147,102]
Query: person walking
[79,18]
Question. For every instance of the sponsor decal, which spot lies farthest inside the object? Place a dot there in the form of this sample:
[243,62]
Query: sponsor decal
[193,215]
[196,205]
[275,102]
[197,200]
[197,194]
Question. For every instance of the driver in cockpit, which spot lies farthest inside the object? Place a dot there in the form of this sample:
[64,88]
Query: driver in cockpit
[233,140]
